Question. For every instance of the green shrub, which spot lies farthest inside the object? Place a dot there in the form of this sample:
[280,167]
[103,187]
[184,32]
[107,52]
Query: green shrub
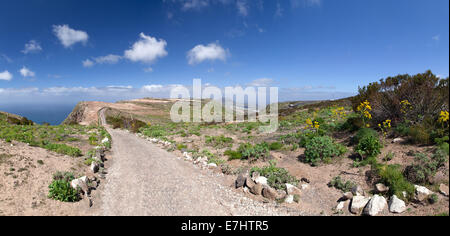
[392,176]
[443,144]
[254,152]
[337,183]
[63,149]
[275,146]
[364,133]
[320,149]
[425,167]
[276,177]
[219,141]
[369,146]
[352,124]
[233,155]
[154,131]
[181,146]
[61,190]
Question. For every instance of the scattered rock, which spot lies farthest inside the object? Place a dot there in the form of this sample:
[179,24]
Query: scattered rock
[240,181]
[292,190]
[398,140]
[257,189]
[304,186]
[396,205]
[443,189]
[381,188]
[358,204]
[245,190]
[94,167]
[249,182]
[422,193]
[358,191]
[270,193]
[305,180]
[261,180]
[347,196]
[81,183]
[289,199]
[212,165]
[255,175]
[376,205]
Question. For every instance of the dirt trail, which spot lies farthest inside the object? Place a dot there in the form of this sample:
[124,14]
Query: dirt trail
[146,180]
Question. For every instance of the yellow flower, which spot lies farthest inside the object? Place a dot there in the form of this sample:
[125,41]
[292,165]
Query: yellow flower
[368,125]
[443,117]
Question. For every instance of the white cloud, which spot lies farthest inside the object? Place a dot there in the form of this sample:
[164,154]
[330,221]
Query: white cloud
[279,10]
[263,82]
[87,63]
[153,88]
[306,3]
[32,47]
[25,72]
[194,4]
[437,37]
[147,49]
[109,59]
[6,58]
[148,69]
[242,7]
[211,52]
[68,36]
[5,75]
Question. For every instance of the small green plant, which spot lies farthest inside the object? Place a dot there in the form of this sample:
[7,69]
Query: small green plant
[40,162]
[233,155]
[275,146]
[219,141]
[181,146]
[276,177]
[61,190]
[369,146]
[63,149]
[433,198]
[322,149]
[337,183]
[254,152]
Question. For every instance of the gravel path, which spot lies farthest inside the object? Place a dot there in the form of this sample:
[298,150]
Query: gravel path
[145,180]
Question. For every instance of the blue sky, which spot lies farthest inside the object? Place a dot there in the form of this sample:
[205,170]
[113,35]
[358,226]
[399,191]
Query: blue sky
[313,49]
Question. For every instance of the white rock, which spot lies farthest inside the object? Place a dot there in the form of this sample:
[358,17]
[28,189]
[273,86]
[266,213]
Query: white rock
[358,204]
[422,193]
[381,188]
[396,205]
[305,186]
[340,206]
[292,190]
[261,180]
[398,140]
[375,206]
[80,183]
[289,199]
[212,165]
[94,167]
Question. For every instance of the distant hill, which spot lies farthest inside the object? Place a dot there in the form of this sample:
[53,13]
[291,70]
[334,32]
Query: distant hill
[15,119]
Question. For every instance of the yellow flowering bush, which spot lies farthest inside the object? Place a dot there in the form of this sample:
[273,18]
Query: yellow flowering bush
[385,127]
[340,112]
[312,124]
[405,106]
[364,110]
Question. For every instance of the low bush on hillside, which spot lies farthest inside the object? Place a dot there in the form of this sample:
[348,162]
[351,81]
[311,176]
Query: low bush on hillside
[425,167]
[275,146]
[369,147]
[254,152]
[154,131]
[120,122]
[233,155]
[219,141]
[338,183]
[392,176]
[61,190]
[417,105]
[276,177]
[322,149]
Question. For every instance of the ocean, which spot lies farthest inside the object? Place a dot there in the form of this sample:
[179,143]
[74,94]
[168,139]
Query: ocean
[50,113]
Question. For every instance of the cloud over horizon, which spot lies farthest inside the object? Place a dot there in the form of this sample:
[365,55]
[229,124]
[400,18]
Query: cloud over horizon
[5,75]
